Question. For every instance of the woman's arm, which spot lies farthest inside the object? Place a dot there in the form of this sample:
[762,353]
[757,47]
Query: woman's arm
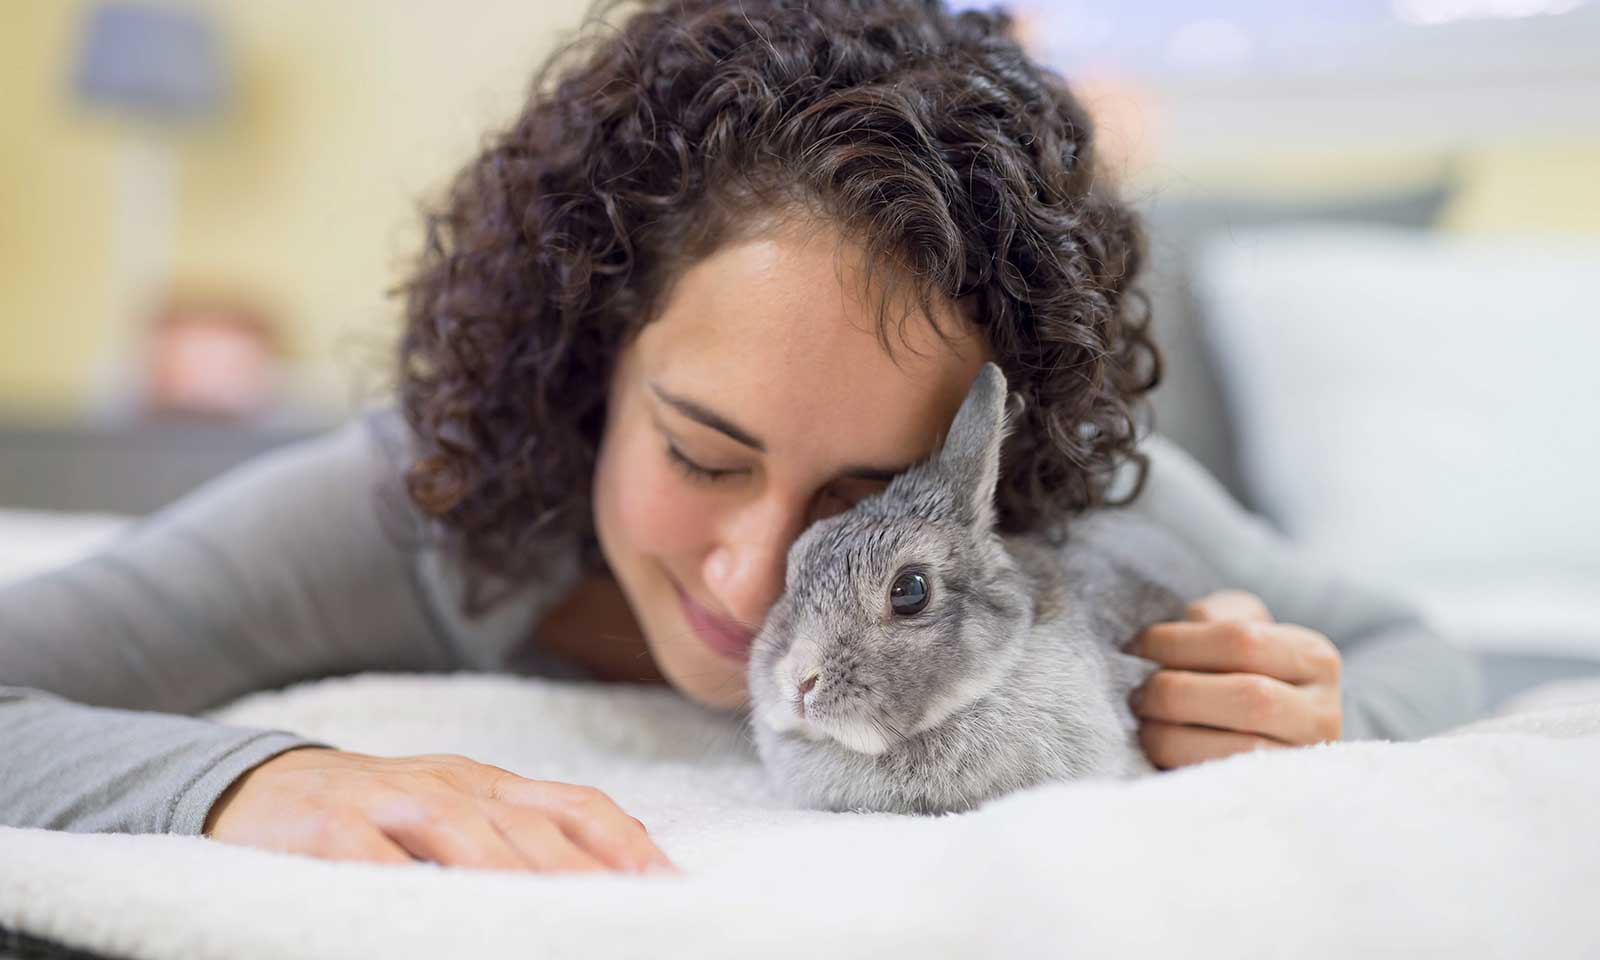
[87,769]
[286,568]
[1400,679]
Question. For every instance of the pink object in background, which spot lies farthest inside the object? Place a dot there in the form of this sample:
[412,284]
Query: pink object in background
[212,358]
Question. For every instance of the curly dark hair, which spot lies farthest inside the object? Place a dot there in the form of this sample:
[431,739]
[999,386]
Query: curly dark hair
[929,137]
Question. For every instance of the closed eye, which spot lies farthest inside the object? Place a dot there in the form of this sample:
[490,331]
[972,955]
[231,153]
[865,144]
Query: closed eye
[695,471]
[836,499]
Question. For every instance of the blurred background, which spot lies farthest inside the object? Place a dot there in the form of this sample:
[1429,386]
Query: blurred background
[1375,243]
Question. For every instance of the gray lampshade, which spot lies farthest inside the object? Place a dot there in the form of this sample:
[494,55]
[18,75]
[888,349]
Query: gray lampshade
[156,60]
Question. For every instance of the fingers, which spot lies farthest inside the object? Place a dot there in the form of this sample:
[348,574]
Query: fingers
[352,837]
[1243,702]
[1228,605]
[1286,651]
[541,841]
[443,808]
[480,834]
[1171,745]
[1228,665]
[451,831]
[589,817]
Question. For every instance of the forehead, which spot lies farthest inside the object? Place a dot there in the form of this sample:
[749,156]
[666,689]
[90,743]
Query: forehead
[777,333]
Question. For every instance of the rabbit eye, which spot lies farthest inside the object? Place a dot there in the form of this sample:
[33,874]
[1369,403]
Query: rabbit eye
[909,594]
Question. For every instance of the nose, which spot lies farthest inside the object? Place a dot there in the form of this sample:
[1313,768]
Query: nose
[806,684]
[745,570]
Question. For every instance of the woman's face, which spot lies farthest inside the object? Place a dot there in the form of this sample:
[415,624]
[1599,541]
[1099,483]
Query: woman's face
[765,369]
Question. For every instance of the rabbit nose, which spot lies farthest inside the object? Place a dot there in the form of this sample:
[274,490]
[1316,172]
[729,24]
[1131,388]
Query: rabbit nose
[806,684]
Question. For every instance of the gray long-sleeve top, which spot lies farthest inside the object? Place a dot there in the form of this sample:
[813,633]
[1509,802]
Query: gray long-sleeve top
[303,563]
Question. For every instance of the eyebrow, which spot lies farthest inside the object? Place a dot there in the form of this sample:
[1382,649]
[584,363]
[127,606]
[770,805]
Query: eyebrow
[700,413]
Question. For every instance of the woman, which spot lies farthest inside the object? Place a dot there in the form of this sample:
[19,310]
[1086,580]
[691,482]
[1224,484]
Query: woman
[730,272]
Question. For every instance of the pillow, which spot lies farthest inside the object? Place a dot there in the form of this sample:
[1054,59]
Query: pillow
[1188,405]
[36,541]
[1421,409]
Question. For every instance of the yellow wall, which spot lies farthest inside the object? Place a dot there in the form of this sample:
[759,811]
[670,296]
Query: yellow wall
[350,113]
[55,188]
[344,115]
[1548,186]
[303,196]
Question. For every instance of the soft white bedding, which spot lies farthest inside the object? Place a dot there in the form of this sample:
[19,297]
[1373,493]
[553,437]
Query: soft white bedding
[1477,844]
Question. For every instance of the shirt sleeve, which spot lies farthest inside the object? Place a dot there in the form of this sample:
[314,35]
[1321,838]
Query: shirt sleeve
[298,564]
[1401,680]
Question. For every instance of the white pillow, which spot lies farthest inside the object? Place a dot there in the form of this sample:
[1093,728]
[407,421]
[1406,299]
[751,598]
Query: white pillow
[33,542]
[1424,410]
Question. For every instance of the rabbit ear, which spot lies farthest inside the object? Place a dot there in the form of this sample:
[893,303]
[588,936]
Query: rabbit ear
[969,460]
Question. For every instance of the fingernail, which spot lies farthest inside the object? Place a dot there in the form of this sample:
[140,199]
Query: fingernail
[1136,697]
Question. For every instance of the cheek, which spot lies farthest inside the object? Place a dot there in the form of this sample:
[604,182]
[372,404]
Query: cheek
[648,505]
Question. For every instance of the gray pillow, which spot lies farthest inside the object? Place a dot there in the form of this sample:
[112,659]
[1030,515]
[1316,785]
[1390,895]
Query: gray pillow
[1188,406]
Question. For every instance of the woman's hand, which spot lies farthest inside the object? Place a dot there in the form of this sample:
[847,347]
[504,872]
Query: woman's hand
[1233,680]
[441,807]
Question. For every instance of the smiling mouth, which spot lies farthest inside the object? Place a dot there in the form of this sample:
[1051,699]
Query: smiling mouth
[723,636]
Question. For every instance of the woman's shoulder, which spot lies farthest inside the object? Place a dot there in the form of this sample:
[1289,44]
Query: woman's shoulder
[1173,478]
[489,640]
[1182,495]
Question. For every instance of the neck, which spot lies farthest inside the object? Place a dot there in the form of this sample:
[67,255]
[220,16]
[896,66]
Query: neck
[594,626]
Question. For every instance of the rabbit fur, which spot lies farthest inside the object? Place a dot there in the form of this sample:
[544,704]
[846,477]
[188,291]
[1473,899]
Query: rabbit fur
[1012,674]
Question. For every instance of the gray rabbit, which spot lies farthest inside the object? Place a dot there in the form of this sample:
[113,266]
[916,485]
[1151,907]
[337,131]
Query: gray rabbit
[920,662]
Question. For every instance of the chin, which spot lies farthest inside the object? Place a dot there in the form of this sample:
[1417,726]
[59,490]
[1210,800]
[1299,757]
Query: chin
[700,675]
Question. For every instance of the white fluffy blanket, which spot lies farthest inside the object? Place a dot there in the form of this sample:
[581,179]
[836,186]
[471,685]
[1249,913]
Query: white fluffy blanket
[1484,842]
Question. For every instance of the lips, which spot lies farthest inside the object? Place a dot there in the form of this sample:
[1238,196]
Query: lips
[725,637]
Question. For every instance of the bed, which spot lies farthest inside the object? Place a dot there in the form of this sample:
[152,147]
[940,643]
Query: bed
[1481,842]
